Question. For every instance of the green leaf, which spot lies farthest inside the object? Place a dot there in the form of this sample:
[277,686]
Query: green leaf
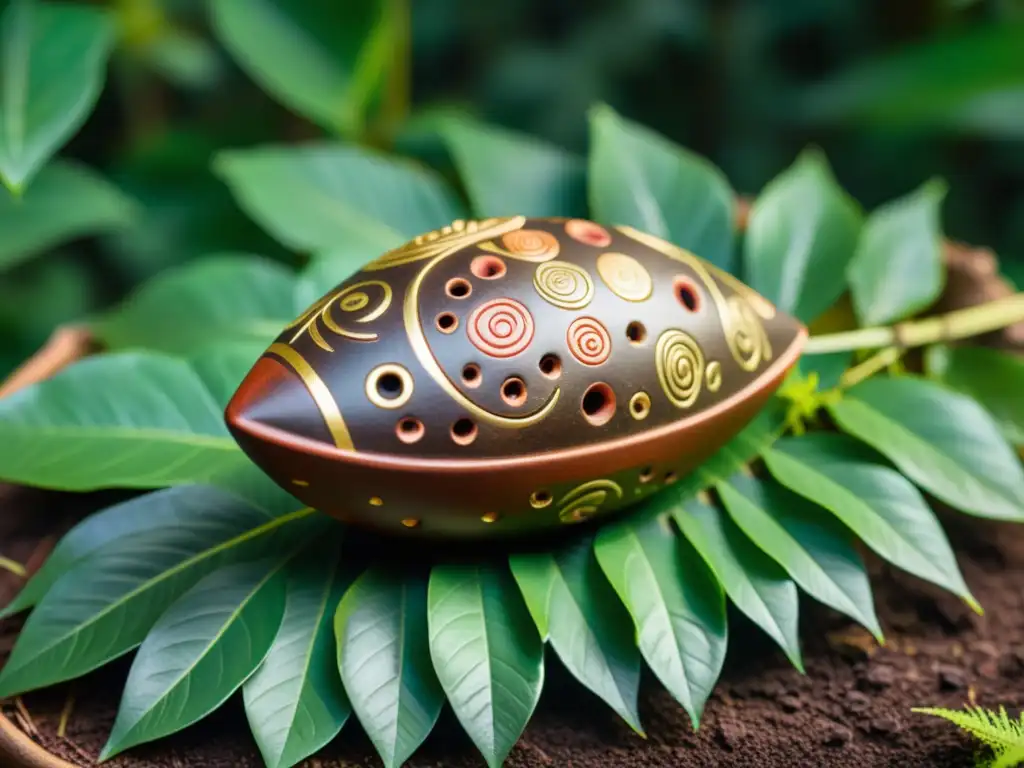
[487,656]
[123,420]
[312,55]
[922,83]
[384,658]
[801,236]
[898,268]
[877,503]
[942,440]
[641,179]
[816,550]
[54,59]
[200,652]
[105,605]
[755,584]
[993,378]
[508,173]
[219,298]
[295,702]
[567,593]
[222,366]
[66,201]
[328,197]
[677,606]
[168,509]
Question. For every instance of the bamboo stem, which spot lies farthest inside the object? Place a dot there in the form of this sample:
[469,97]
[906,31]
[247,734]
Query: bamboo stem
[960,324]
[870,367]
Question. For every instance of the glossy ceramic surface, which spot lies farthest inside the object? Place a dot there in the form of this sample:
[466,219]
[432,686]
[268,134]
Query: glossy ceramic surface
[510,375]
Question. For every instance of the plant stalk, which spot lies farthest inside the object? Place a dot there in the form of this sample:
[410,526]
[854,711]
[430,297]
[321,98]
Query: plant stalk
[960,324]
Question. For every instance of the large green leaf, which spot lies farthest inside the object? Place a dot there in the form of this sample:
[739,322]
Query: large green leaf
[486,652]
[569,597]
[384,657]
[326,197]
[754,583]
[676,603]
[67,200]
[223,365]
[168,510]
[104,606]
[815,549]
[295,702]
[942,440]
[54,59]
[200,652]
[129,420]
[315,56]
[919,84]
[508,173]
[223,297]
[877,503]
[639,178]
[801,236]
[898,268]
[993,378]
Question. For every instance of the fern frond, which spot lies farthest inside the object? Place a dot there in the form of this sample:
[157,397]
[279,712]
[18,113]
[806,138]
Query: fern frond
[996,729]
[1009,759]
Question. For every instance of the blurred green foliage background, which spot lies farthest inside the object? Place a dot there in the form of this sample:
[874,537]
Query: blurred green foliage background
[895,93]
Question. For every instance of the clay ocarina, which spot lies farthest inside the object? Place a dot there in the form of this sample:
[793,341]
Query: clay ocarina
[505,376]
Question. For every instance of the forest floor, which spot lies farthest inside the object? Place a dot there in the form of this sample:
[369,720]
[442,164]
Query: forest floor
[851,708]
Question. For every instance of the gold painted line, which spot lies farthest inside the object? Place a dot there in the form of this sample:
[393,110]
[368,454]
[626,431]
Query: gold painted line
[320,393]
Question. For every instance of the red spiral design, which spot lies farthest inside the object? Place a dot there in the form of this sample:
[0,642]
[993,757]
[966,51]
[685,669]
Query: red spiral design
[589,341]
[588,232]
[500,327]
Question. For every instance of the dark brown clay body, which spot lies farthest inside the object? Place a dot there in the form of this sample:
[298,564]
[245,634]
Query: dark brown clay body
[510,375]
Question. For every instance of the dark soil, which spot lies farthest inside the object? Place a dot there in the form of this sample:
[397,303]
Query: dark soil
[852,708]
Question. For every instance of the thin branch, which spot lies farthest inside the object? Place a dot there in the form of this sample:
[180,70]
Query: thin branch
[870,367]
[961,324]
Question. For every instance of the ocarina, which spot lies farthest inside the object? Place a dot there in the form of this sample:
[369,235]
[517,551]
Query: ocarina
[506,376]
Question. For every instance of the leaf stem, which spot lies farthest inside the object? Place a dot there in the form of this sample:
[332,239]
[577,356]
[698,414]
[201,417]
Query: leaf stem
[14,567]
[870,367]
[960,324]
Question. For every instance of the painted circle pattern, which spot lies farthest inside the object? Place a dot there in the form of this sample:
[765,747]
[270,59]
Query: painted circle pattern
[500,327]
[588,233]
[680,363]
[563,284]
[531,244]
[589,341]
[625,276]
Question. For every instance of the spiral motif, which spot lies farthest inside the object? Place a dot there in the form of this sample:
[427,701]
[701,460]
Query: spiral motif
[625,276]
[747,338]
[586,500]
[680,363]
[588,233]
[531,244]
[348,298]
[588,341]
[500,328]
[563,284]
